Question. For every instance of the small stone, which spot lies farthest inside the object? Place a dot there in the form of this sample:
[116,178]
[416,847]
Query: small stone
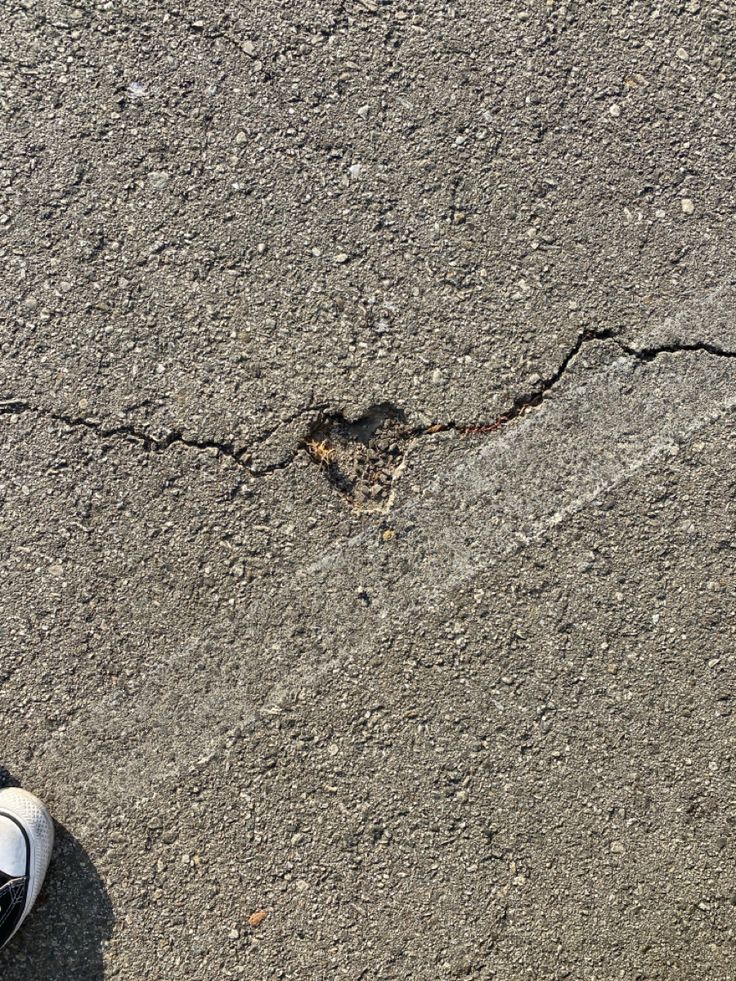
[234,934]
[355,170]
[241,138]
[255,919]
[615,110]
[682,54]
[342,258]
[437,378]
[249,48]
[389,535]
[159,178]
[617,848]
[261,248]
[688,206]
[363,111]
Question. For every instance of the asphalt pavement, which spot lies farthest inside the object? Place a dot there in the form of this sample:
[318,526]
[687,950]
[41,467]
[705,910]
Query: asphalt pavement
[367,426]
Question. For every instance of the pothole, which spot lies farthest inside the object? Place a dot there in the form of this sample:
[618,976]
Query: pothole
[362,458]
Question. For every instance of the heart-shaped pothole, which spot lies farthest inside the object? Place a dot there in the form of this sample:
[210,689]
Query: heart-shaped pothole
[361,458]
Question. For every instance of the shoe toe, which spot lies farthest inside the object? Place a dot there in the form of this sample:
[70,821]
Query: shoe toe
[29,811]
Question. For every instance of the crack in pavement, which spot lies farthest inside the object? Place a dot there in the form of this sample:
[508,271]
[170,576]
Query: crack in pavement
[150,443]
[531,400]
[363,458]
[645,354]
[241,455]
[489,503]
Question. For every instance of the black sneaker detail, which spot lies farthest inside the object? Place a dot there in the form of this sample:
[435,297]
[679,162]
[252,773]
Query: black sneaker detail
[12,905]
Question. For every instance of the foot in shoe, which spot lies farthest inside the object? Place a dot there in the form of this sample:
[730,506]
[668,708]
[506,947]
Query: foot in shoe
[26,840]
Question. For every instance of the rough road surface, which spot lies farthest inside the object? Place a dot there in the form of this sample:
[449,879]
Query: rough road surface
[367,410]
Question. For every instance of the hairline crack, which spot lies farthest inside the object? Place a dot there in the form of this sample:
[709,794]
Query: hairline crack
[239,454]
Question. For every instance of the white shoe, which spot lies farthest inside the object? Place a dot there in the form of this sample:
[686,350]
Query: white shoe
[26,840]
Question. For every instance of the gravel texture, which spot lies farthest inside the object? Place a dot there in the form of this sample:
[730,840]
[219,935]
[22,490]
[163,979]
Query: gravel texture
[367,441]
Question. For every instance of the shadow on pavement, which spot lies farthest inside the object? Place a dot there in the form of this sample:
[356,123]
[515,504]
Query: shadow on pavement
[62,939]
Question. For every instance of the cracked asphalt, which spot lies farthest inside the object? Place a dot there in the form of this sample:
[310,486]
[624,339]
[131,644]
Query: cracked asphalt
[368,417]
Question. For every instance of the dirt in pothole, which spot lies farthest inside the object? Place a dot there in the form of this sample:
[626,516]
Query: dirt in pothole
[361,459]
